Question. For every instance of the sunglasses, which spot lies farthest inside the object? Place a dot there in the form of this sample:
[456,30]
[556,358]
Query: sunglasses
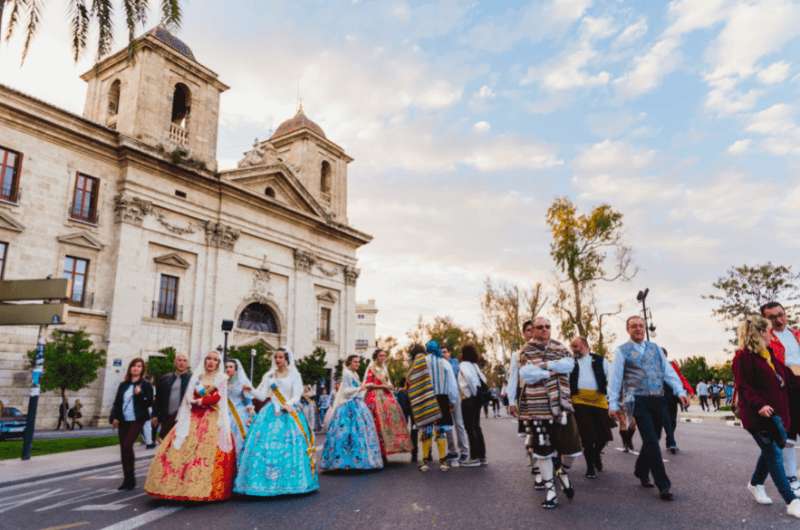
[546,326]
[776,317]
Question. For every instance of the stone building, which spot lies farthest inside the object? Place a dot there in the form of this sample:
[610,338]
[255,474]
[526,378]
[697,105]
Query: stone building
[159,245]
[366,316]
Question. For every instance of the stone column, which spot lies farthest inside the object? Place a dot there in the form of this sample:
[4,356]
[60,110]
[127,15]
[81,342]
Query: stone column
[348,343]
[220,241]
[305,305]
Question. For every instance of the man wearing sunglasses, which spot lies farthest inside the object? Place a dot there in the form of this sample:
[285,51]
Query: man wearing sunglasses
[785,344]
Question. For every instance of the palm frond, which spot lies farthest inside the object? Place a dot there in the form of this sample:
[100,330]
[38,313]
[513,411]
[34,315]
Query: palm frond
[2,9]
[103,11]
[34,16]
[171,13]
[13,18]
[80,26]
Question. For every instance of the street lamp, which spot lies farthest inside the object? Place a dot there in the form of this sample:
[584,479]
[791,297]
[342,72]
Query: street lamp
[227,326]
[252,361]
[646,313]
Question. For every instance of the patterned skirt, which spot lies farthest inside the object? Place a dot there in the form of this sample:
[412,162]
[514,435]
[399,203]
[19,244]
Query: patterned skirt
[352,441]
[274,459]
[390,422]
[198,471]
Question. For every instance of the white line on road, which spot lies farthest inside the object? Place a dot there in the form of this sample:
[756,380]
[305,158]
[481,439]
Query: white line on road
[109,507]
[145,518]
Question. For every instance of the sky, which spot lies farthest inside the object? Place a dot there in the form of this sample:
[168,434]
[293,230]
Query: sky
[466,119]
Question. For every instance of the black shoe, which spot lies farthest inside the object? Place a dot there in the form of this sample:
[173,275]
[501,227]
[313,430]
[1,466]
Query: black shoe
[551,497]
[566,485]
[665,495]
[591,475]
[673,450]
[645,482]
[150,446]
[598,462]
[127,485]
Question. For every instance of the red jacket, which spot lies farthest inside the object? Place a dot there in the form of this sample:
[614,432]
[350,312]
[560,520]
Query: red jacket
[758,385]
[777,346]
[686,385]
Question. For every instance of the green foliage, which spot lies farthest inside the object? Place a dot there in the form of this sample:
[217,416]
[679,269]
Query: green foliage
[397,365]
[447,332]
[262,361]
[158,365]
[313,367]
[13,448]
[70,362]
[505,308]
[695,369]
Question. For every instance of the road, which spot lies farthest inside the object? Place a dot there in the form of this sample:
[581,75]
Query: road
[708,476]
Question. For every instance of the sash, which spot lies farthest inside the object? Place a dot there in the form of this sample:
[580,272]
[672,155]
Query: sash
[309,437]
[237,419]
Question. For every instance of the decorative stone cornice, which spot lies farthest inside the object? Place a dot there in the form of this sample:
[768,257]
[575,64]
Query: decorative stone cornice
[81,239]
[131,210]
[9,223]
[175,229]
[303,260]
[351,275]
[221,235]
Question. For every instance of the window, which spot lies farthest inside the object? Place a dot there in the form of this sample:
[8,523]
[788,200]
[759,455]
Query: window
[84,202]
[113,99]
[10,162]
[76,271]
[181,105]
[325,324]
[269,192]
[3,257]
[168,297]
[325,177]
[258,317]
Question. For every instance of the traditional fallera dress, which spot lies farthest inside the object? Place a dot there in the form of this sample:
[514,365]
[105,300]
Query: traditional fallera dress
[351,441]
[278,455]
[240,405]
[196,461]
[390,423]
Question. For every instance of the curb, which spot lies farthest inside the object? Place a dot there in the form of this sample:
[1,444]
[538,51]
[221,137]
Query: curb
[65,473]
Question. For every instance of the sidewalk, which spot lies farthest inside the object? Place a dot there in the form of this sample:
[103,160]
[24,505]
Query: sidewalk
[16,470]
[697,413]
[88,432]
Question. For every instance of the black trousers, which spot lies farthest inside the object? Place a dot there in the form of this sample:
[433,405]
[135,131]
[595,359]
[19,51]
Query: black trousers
[471,410]
[671,421]
[650,413]
[128,433]
[165,424]
[704,403]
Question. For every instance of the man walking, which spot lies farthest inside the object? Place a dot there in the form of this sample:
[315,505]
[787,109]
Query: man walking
[702,394]
[672,401]
[785,344]
[169,394]
[457,441]
[642,369]
[587,385]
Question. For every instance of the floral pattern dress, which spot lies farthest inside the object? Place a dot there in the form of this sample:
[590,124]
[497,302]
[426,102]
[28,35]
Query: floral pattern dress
[351,441]
[390,422]
[199,470]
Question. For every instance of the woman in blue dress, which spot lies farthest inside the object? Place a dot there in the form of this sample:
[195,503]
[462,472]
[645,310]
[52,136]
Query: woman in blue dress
[351,441]
[240,403]
[278,455]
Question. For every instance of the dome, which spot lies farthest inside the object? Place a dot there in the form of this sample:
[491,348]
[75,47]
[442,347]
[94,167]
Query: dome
[298,122]
[162,34]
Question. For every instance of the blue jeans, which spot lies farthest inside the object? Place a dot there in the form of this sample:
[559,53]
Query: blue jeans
[770,462]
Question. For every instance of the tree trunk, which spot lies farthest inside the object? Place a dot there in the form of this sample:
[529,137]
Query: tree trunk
[65,406]
[576,293]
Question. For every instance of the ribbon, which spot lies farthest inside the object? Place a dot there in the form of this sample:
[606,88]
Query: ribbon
[310,444]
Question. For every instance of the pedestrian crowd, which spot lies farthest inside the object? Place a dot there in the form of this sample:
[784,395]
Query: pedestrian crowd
[220,434]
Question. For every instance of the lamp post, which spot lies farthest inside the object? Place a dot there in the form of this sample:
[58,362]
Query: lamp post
[252,361]
[227,326]
[646,314]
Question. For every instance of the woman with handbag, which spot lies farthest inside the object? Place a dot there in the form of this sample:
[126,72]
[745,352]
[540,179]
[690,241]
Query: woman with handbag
[475,394]
[762,385]
[128,414]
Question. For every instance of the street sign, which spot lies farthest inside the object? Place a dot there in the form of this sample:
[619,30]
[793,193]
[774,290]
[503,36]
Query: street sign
[32,314]
[17,290]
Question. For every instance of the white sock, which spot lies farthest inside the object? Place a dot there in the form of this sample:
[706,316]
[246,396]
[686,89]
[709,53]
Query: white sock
[546,468]
[790,461]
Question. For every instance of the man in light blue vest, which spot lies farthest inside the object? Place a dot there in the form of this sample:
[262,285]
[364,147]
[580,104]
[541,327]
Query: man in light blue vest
[642,369]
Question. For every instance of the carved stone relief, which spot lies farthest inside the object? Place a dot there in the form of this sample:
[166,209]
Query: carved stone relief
[131,210]
[221,235]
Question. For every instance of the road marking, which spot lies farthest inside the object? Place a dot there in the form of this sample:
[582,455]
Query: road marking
[67,526]
[89,495]
[10,504]
[145,518]
[47,480]
[110,507]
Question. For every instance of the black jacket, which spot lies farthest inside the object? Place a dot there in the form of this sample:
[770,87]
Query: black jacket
[141,402]
[163,388]
[599,375]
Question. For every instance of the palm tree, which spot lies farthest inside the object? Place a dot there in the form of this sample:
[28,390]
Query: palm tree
[83,13]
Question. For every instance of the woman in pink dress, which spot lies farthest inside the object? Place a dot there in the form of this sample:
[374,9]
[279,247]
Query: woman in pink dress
[386,411]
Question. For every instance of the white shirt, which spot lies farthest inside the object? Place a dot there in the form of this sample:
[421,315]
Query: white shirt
[790,345]
[586,379]
[702,389]
[469,379]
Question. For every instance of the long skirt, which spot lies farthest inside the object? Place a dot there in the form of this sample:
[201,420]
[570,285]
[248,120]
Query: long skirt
[199,470]
[390,423]
[351,441]
[275,457]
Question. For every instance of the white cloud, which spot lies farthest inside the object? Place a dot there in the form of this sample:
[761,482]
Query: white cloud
[631,34]
[739,147]
[485,92]
[508,153]
[612,156]
[730,200]
[775,73]
[777,119]
[481,126]
[725,102]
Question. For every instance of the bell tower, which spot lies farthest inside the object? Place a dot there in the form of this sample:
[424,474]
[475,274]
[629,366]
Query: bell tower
[158,94]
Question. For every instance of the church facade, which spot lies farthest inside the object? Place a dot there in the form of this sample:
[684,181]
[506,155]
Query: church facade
[159,245]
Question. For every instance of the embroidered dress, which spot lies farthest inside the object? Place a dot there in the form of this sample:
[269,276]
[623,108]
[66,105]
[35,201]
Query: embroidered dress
[277,455]
[194,469]
[351,441]
[390,423]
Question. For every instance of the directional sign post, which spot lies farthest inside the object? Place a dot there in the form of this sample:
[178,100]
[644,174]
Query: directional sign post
[41,314]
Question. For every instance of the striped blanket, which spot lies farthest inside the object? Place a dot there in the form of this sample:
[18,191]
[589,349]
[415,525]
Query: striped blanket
[424,407]
[549,398]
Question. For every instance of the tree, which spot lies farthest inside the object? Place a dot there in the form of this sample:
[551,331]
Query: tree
[82,15]
[446,332]
[505,308]
[580,247]
[744,289]
[261,362]
[313,367]
[722,372]
[158,365]
[70,362]
[695,369]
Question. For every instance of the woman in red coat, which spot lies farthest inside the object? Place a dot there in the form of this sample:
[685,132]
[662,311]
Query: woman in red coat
[762,385]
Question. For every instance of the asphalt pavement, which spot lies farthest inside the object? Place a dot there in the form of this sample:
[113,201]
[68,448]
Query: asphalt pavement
[708,476]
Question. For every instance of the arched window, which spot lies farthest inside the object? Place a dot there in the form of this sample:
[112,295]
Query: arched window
[269,192]
[325,177]
[181,105]
[113,98]
[258,317]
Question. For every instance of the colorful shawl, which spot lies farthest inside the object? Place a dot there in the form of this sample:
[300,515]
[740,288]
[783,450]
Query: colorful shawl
[548,399]
[424,407]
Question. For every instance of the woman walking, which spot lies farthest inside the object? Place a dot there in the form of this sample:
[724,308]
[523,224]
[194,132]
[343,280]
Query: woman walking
[389,420]
[278,455]
[196,460]
[240,404]
[351,441]
[75,415]
[471,380]
[128,414]
[762,385]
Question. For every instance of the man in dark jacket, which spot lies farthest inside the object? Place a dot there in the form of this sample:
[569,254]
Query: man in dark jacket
[169,393]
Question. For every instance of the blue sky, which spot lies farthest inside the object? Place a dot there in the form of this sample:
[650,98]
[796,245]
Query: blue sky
[467,118]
